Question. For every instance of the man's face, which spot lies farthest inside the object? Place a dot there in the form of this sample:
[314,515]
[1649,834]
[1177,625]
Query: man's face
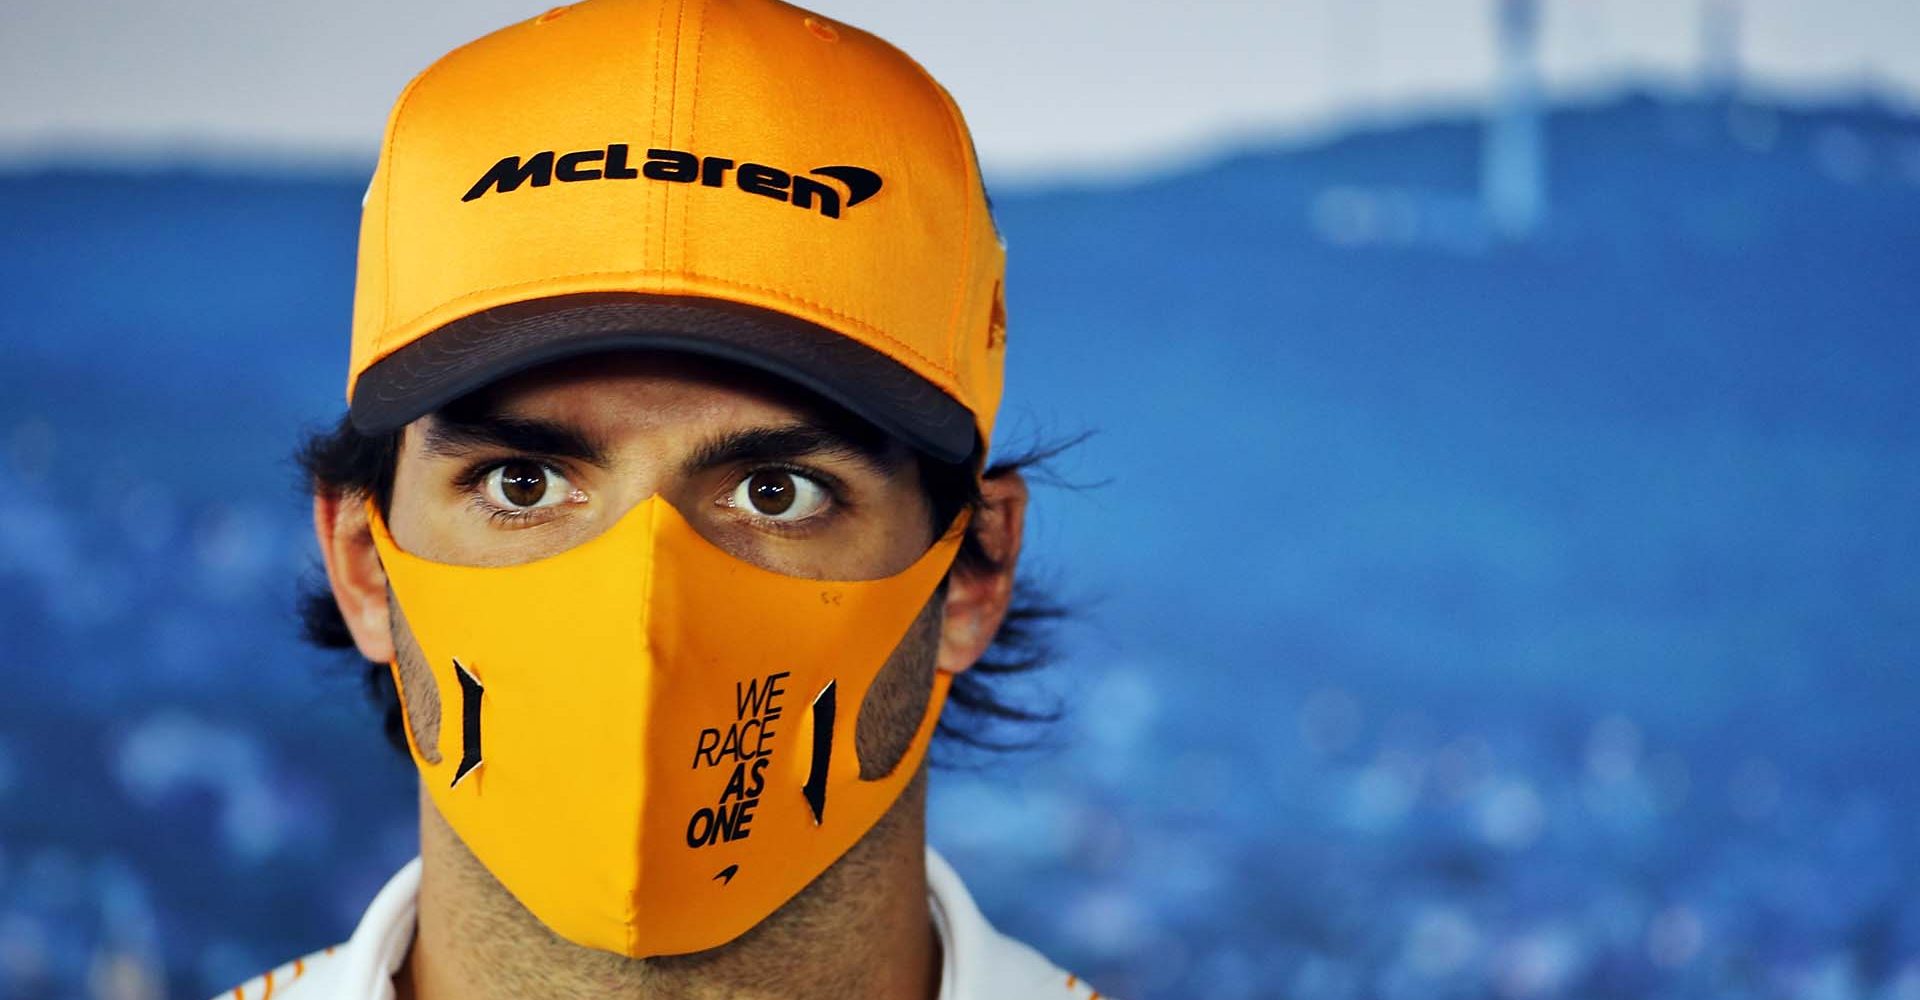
[550,459]
[545,461]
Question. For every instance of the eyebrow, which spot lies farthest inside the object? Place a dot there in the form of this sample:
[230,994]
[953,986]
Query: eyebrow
[454,436]
[798,440]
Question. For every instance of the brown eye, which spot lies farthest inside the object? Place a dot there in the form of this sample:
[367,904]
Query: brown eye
[779,495]
[771,493]
[522,484]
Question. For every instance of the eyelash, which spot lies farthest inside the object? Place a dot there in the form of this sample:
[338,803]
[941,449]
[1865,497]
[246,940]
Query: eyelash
[501,515]
[836,495]
[469,482]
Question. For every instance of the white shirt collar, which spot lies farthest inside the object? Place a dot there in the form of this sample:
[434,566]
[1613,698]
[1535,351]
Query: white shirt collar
[978,962]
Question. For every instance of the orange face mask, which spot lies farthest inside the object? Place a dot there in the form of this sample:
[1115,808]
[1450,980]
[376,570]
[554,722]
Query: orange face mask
[648,741]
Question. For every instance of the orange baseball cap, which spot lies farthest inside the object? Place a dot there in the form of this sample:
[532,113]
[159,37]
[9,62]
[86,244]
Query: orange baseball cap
[740,179]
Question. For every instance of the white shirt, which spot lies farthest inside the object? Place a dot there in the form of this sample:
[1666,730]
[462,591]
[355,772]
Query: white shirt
[979,962]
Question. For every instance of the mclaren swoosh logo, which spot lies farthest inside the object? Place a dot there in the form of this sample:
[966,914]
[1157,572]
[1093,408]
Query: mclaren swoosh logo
[861,183]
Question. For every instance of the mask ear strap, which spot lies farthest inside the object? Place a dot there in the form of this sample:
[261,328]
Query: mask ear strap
[835,769]
[923,737]
[406,717]
[833,720]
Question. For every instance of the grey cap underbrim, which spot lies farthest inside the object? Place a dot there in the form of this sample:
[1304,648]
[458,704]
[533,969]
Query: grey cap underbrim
[474,351]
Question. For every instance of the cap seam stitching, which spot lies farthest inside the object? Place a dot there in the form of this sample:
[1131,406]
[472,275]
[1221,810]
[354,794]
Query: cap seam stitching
[863,324]
[386,187]
[653,124]
[386,200]
[673,118]
[960,281]
[693,118]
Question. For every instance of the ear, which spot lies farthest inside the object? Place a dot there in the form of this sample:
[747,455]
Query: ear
[353,570]
[977,598]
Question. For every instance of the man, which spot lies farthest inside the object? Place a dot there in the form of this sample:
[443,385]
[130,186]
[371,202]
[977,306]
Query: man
[677,344]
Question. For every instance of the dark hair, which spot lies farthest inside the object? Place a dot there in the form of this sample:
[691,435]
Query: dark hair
[980,713]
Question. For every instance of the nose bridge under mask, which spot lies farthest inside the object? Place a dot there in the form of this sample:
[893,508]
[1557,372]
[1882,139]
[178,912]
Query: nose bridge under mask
[649,741]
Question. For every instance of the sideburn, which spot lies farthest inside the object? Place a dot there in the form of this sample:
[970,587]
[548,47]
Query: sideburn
[419,692]
[897,701]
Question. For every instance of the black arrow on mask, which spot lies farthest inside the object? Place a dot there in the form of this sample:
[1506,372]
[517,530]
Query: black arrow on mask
[816,787]
[470,691]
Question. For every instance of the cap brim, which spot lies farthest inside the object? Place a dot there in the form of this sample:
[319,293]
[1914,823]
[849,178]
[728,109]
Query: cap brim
[471,352]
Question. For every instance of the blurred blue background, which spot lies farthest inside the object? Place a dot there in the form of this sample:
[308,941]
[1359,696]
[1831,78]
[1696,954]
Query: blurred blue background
[1501,581]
